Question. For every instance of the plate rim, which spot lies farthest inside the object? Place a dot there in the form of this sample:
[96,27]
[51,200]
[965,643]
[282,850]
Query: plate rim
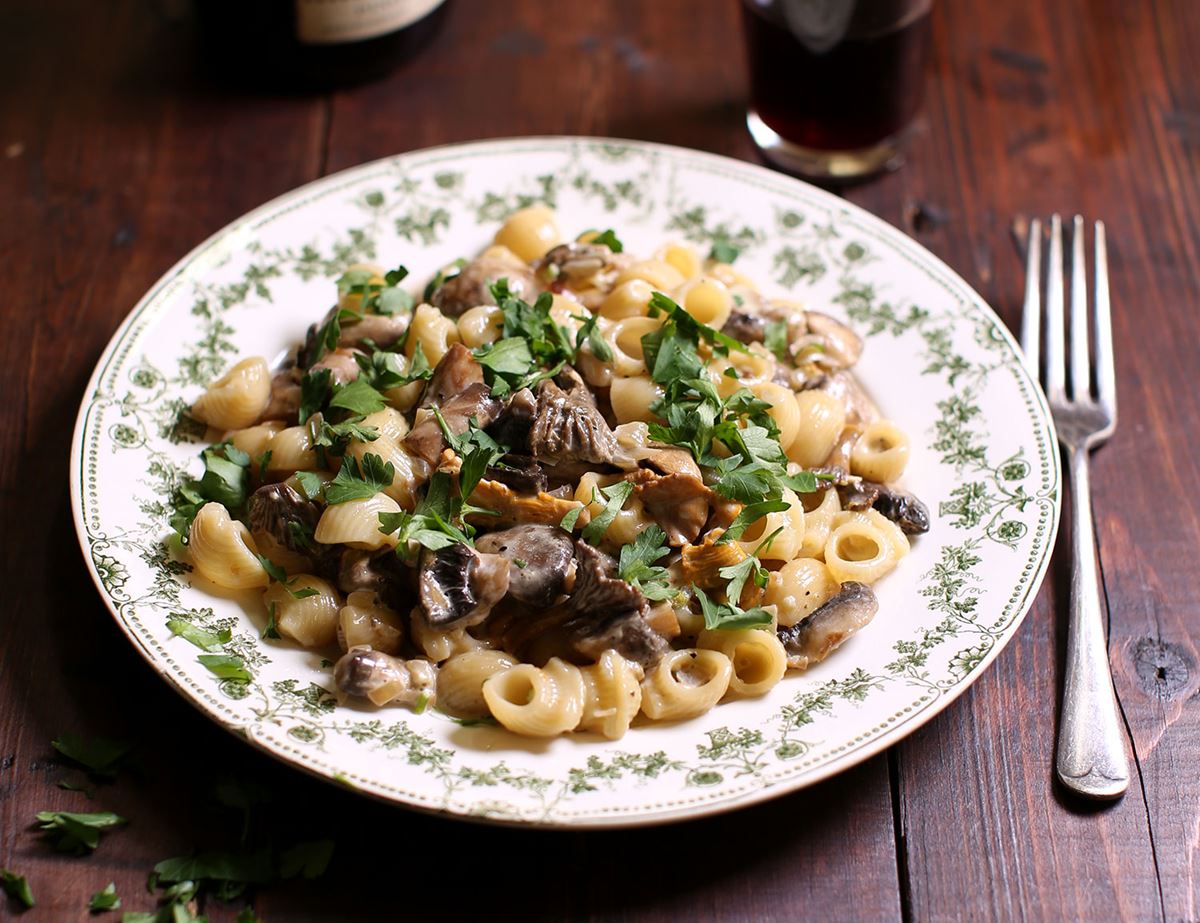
[902,242]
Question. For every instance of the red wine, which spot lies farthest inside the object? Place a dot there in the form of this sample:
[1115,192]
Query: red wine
[840,75]
[312,44]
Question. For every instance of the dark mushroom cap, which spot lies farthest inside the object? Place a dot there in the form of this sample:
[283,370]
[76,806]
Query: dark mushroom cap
[540,557]
[459,586]
[362,670]
[289,517]
[820,632]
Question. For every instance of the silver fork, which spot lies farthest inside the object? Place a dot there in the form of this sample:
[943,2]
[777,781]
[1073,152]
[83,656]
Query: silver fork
[1091,744]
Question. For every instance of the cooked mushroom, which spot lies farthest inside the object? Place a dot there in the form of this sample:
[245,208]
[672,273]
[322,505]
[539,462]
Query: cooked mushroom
[511,426]
[845,387]
[472,287]
[539,556]
[838,346]
[426,438]
[823,630]
[455,372]
[608,613]
[459,586]
[381,329]
[285,395]
[567,428]
[383,678]
[745,328]
[285,514]
[574,262]
[510,508]
[901,507]
[342,365]
[520,473]
[670,485]
[378,572]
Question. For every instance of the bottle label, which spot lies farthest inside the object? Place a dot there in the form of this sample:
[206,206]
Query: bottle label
[329,22]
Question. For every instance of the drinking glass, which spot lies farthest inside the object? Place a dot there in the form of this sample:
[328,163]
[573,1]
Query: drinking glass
[835,84]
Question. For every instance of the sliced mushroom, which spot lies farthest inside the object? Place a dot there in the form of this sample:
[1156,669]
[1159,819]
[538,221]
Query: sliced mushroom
[342,365]
[377,572]
[818,634]
[901,507]
[285,514]
[839,347]
[285,395]
[455,372]
[745,327]
[512,425]
[520,473]
[476,402]
[384,330]
[459,586]
[472,287]
[670,485]
[845,387]
[567,428]
[383,678]
[511,509]
[608,613]
[574,262]
[539,556]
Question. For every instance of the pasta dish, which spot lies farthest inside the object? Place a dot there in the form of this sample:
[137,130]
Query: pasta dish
[564,487]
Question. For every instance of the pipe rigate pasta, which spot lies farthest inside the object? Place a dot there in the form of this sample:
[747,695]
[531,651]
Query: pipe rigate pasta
[564,448]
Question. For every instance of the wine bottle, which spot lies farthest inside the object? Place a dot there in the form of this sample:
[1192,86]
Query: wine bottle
[312,44]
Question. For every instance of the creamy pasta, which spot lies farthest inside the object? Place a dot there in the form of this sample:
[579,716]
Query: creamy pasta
[568,487]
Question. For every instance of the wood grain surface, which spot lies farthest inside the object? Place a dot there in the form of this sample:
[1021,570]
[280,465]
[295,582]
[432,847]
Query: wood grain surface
[117,156]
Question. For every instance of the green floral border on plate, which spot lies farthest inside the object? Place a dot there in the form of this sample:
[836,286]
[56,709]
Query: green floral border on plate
[1004,499]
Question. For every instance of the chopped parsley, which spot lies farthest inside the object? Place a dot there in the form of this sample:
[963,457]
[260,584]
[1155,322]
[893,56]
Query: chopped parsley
[729,616]
[205,640]
[616,494]
[279,575]
[226,480]
[74,833]
[749,515]
[315,388]
[385,369]
[723,251]
[775,338]
[99,756]
[16,887]
[357,397]
[226,666]
[637,566]
[355,481]
[609,239]
[272,629]
[432,524]
[105,899]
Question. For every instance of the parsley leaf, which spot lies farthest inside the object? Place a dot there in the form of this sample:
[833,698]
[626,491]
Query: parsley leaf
[723,251]
[358,482]
[105,899]
[76,833]
[728,616]
[205,640]
[272,629]
[750,515]
[310,484]
[637,566]
[226,480]
[609,239]
[226,666]
[16,887]
[745,483]
[431,524]
[358,397]
[101,757]
[750,566]
[315,388]
[588,332]
[775,338]
[510,356]
[570,518]
[616,494]
[279,575]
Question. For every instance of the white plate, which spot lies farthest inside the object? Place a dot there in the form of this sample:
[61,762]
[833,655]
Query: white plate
[937,360]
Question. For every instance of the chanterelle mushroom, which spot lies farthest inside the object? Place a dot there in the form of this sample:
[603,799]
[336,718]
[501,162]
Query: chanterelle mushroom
[670,485]
[539,556]
[459,586]
[823,630]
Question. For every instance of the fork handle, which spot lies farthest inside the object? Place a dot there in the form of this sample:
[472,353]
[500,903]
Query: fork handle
[1091,742]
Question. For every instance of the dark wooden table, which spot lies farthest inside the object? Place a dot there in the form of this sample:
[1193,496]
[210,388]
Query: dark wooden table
[116,158]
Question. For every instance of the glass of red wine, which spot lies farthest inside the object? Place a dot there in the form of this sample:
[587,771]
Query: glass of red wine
[835,84]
